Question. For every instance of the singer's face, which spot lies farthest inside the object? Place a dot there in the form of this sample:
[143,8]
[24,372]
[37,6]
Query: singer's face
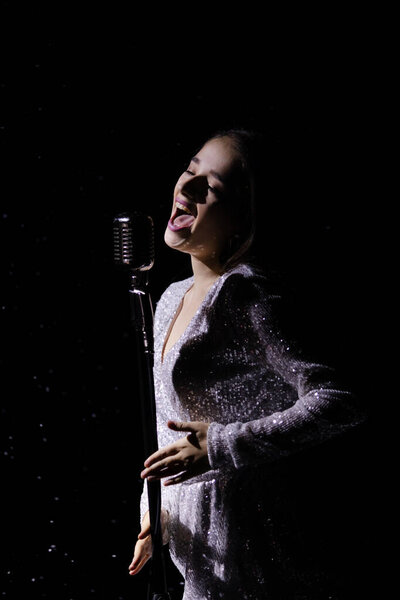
[201,222]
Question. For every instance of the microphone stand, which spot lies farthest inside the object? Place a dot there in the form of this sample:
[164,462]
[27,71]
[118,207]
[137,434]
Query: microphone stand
[142,321]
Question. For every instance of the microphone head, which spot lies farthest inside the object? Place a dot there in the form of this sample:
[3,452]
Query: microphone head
[133,241]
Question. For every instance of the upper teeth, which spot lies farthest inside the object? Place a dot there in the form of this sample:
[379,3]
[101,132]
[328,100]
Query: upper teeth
[183,207]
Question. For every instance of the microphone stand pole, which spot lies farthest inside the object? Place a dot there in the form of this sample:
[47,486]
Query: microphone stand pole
[142,321]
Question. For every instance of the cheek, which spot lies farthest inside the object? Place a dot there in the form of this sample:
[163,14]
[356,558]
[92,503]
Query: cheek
[216,219]
[219,213]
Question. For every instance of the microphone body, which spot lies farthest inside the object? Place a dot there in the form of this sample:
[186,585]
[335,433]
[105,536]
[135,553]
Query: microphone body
[134,253]
[134,241]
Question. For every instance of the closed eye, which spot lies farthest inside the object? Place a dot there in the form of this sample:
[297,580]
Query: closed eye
[212,189]
[215,191]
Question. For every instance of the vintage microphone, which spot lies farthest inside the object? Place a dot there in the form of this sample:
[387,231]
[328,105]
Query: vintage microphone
[134,253]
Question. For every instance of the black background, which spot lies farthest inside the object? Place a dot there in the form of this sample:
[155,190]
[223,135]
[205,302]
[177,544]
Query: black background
[99,117]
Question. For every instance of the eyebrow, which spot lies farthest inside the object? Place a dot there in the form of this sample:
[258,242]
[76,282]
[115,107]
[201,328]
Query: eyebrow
[213,173]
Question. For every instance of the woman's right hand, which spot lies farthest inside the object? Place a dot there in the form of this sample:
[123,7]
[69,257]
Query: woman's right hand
[143,547]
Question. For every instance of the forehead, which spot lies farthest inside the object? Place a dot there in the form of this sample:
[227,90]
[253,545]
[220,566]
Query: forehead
[219,155]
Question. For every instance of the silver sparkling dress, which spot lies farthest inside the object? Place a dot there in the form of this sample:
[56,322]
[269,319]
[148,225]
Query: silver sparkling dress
[231,532]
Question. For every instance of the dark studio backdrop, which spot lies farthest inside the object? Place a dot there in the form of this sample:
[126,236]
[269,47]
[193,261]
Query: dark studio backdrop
[90,128]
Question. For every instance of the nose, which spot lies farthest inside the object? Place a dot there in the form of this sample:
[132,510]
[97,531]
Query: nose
[195,188]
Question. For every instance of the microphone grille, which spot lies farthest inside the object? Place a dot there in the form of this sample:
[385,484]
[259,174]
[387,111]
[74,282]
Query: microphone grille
[134,241]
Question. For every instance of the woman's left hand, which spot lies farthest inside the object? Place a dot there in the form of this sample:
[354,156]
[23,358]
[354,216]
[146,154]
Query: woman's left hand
[183,459]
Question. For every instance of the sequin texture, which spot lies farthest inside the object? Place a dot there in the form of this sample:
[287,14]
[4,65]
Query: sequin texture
[230,532]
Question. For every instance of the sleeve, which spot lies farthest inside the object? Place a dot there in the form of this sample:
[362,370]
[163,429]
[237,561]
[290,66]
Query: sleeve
[322,408]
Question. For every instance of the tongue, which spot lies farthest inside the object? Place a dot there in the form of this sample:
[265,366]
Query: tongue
[184,220]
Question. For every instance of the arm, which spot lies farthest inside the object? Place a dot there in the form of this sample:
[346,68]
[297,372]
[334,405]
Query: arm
[318,408]
[322,408]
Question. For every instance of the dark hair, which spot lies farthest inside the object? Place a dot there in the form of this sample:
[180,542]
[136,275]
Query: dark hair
[251,148]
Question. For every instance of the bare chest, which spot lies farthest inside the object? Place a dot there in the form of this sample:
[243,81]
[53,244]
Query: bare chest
[185,313]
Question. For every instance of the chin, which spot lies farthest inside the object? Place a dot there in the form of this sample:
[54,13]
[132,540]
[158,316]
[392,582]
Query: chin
[175,239]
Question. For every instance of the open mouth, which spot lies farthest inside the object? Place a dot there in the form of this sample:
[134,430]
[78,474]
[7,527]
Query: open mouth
[183,216]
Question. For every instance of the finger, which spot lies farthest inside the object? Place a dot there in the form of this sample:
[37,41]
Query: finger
[163,468]
[141,555]
[144,533]
[136,566]
[173,470]
[193,471]
[161,454]
[178,478]
[183,426]
[140,551]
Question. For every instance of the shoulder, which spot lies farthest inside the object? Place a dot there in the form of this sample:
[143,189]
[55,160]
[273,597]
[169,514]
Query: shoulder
[252,299]
[247,285]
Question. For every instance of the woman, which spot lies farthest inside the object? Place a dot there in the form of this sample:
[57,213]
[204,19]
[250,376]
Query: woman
[234,399]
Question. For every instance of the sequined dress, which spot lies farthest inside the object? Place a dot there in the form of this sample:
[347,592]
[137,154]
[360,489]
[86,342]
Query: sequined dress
[231,530]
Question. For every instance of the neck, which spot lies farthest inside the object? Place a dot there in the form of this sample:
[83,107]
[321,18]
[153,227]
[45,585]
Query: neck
[204,274]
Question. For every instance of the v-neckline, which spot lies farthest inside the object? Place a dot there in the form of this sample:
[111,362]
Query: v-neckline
[164,354]
[171,325]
